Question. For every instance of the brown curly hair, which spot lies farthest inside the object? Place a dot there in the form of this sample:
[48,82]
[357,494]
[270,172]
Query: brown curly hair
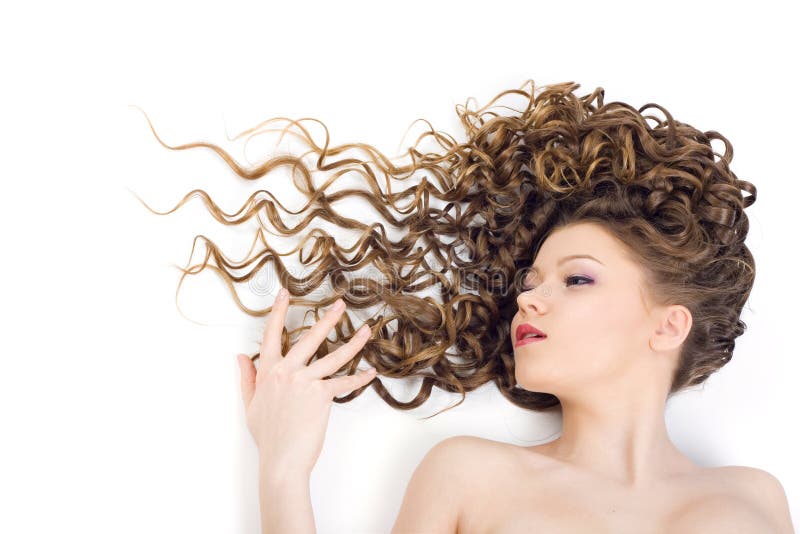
[563,158]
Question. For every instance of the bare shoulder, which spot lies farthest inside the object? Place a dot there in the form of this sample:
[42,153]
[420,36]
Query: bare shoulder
[470,446]
[748,500]
[463,446]
[470,453]
[477,451]
[766,493]
[434,495]
[471,443]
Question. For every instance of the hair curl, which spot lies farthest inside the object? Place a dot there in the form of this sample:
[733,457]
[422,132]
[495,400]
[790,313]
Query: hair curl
[563,159]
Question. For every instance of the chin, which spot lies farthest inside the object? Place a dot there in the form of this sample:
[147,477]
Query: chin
[534,377]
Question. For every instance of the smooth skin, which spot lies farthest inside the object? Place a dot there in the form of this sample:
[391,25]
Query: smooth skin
[287,402]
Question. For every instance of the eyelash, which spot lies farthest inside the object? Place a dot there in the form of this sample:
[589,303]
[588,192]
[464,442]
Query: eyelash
[567,279]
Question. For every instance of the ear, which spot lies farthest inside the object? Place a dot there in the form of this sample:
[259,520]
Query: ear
[675,324]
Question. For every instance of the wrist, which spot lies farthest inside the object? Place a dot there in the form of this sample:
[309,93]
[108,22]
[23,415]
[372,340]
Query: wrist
[271,471]
[285,499]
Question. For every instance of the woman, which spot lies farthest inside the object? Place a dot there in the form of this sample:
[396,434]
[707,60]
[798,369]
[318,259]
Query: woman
[619,244]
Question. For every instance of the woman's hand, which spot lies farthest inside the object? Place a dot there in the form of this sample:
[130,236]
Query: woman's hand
[286,401]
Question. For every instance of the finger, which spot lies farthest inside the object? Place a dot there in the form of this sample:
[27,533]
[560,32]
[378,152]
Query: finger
[248,377]
[345,384]
[307,345]
[271,344]
[334,361]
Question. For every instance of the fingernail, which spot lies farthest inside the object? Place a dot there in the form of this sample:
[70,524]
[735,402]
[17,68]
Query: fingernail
[338,305]
[283,293]
[363,331]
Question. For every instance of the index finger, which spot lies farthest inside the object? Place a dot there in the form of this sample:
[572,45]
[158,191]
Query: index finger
[271,344]
[312,339]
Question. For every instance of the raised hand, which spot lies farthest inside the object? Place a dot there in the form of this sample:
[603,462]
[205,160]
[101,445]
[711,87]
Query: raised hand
[286,401]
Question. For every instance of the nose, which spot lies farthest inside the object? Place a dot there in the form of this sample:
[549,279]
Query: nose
[534,299]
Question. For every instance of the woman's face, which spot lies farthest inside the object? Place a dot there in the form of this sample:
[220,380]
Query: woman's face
[597,326]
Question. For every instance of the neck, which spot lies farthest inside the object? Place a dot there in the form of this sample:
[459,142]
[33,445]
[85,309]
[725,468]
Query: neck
[619,435]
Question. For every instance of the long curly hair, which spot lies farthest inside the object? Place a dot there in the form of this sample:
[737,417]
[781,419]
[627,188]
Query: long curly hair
[471,225]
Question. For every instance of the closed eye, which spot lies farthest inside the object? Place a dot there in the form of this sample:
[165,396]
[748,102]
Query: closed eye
[566,280]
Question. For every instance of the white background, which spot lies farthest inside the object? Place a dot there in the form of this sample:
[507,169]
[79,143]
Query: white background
[121,415]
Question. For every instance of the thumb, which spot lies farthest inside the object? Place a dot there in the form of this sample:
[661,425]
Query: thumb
[248,377]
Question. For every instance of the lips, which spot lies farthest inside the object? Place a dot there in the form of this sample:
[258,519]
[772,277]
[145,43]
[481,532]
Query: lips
[524,329]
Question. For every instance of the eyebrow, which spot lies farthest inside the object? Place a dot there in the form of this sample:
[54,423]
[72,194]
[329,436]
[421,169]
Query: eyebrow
[570,257]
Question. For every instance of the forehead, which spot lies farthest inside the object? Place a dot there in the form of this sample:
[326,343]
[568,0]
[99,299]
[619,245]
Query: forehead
[577,235]
[578,239]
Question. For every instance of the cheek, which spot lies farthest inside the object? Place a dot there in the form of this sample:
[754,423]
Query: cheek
[602,328]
